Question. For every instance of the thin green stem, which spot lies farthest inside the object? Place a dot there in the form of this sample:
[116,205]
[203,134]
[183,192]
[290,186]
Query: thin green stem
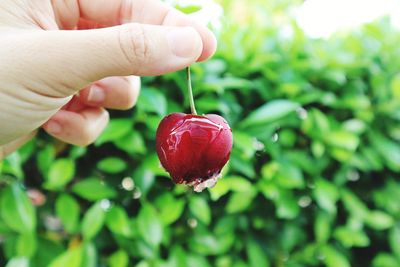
[191,99]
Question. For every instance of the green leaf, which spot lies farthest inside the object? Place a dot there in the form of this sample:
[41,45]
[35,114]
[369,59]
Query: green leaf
[61,172]
[17,210]
[116,129]
[220,189]
[239,263]
[89,255]
[291,236]
[334,258]
[394,240]
[145,250]
[188,9]
[316,124]
[379,220]
[224,261]
[257,257]
[144,179]
[27,150]
[354,205]
[152,100]
[46,252]
[240,201]
[9,247]
[395,86]
[230,82]
[287,207]
[149,225]
[177,257]
[71,258]
[132,143]
[351,238]
[355,126]
[67,209]
[290,176]
[269,170]
[206,243]
[26,245]
[152,164]
[245,143]
[199,208]
[242,165]
[170,208]
[388,149]
[45,158]
[143,264]
[385,260]
[117,221]
[12,164]
[92,221]
[112,165]
[152,122]
[77,152]
[238,184]
[18,262]
[3,227]
[210,104]
[342,139]
[197,261]
[326,195]
[270,112]
[93,189]
[118,259]
[322,227]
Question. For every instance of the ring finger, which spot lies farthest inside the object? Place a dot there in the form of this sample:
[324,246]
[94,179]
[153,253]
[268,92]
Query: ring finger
[119,93]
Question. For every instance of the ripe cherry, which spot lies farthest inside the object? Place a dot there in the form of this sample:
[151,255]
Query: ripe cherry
[194,149]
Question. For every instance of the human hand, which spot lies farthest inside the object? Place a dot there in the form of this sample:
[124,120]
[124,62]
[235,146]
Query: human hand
[64,61]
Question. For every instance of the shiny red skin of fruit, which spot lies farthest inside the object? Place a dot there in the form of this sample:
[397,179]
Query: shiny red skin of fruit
[193,148]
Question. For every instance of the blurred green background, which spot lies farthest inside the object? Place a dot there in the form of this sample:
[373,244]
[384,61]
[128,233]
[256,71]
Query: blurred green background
[313,178]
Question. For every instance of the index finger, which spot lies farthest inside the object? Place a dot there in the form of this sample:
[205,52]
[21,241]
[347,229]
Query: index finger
[111,13]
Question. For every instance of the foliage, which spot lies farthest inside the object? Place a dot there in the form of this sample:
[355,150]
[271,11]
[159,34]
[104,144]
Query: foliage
[313,179]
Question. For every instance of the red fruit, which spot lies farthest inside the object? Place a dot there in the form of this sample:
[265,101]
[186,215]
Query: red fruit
[193,149]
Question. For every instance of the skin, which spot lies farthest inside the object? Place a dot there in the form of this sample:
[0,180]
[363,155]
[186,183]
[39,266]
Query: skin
[64,62]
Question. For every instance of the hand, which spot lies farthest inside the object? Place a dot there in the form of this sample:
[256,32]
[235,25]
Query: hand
[64,61]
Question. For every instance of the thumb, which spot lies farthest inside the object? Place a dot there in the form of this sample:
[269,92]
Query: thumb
[81,57]
[8,148]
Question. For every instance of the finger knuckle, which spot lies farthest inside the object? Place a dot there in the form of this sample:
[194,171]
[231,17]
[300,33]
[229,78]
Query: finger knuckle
[134,44]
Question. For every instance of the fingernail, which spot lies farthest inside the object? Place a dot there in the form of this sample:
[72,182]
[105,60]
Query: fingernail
[96,94]
[185,42]
[53,127]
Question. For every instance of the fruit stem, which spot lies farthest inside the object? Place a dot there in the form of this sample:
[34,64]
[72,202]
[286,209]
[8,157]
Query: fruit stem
[191,99]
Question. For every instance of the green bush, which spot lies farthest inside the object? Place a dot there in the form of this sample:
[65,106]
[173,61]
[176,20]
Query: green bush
[313,178]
